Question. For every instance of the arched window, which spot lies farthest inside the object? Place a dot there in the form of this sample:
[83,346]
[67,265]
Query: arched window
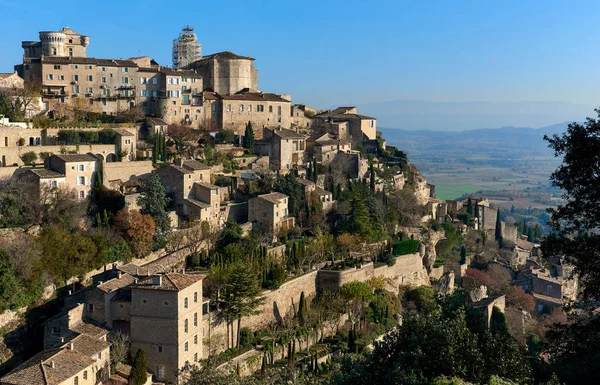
[241,108]
[229,108]
[185,303]
[185,326]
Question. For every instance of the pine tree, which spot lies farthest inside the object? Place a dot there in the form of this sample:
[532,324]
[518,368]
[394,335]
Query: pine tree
[138,374]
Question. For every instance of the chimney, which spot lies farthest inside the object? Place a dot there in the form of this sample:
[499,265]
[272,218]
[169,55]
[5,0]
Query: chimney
[71,346]
[119,274]
[157,280]
[135,281]
[52,364]
[62,340]
[183,271]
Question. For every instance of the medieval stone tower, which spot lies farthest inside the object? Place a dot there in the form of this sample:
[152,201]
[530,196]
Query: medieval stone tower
[66,42]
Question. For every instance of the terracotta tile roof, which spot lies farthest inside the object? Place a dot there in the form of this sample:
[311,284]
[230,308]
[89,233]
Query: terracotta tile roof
[328,142]
[156,122]
[89,330]
[256,97]
[274,197]
[207,185]
[182,73]
[87,345]
[192,164]
[38,370]
[547,298]
[224,55]
[161,265]
[287,134]
[123,132]
[170,282]
[45,173]
[88,60]
[322,192]
[305,182]
[116,283]
[172,167]
[76,157]
[197,203]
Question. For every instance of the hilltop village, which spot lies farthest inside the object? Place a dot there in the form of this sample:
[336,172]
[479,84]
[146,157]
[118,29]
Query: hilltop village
[183,215]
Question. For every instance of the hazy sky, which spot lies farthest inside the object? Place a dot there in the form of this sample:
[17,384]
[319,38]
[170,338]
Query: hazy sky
[328,53]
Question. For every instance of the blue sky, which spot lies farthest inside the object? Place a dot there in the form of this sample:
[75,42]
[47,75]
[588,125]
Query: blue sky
[329,53]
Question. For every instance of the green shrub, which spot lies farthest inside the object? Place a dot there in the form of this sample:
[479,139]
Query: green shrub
[406,247]
[246,337]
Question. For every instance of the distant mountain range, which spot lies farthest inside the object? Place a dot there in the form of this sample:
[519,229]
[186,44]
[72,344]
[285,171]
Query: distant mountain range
[501,144]
[459,116]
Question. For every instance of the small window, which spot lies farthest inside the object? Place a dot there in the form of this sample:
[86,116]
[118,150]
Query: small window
[125,80]
[250,108]
[55,330]
[144,301]
[241,108]
[196,339]
[90,306]
[76,380]
[229,108]
[90,78]
[85,374]
[185,347]
[103,79]
[195,319]
[124,69]
[159,349]
[154,81]
[185,303]
[195,297]
[100,355]
[271,109]
[185,326]
[81,181]
[89,68]
[166,303]
[50,77]
[56,67]
[76,78]
[195,357]
[82,167]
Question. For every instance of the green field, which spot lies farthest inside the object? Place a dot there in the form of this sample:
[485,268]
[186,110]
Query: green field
[454,191]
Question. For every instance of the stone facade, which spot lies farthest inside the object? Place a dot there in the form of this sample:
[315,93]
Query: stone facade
[286,149]
[227,73]
[270,212]
[360,128]
[166,321]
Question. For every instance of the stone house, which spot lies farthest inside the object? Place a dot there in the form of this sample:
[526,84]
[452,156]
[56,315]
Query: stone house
[351,164]
[11,80]
[487,217]
[84,360]
[286,149]
[310,188]
[360,128]
[156,125]
[204,204]
[178,179]
[302,117]
[270,212]
[166,322]
[79,171]
[46,180]
[69,324]
[323,147]
[487,305]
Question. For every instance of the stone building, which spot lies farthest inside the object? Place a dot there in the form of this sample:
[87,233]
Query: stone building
[311,189]
[79,171]
[11,80]
[69,324]
[204,204]
[233,112]
[302,117]
[360,128]
[166,322]
[84,360]
[351,164]
[227,73]
[270,212]
[487,217]
[323,147]
[286,149]
[65,42]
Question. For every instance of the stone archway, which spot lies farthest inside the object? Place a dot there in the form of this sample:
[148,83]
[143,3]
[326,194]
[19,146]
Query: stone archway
[100,156]
[111,158]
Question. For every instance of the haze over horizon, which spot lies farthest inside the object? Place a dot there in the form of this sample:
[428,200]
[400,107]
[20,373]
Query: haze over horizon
[499,57]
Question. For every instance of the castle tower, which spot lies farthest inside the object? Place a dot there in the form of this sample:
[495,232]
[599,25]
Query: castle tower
[186,48]
[65,42]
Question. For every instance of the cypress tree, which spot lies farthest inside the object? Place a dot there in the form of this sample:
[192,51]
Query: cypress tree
[98,220]
[338,192]
[263,367]
[372,177]
[302,309]
[249,138]
[499,230]
[138,375]
[463,254]
[470,206]
[315,171]
[155,149]
[476,209]
[164,148]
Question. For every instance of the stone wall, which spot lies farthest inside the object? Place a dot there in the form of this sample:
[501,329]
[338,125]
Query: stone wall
[509,234]
[12,155]
[126,171]
[408,270]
